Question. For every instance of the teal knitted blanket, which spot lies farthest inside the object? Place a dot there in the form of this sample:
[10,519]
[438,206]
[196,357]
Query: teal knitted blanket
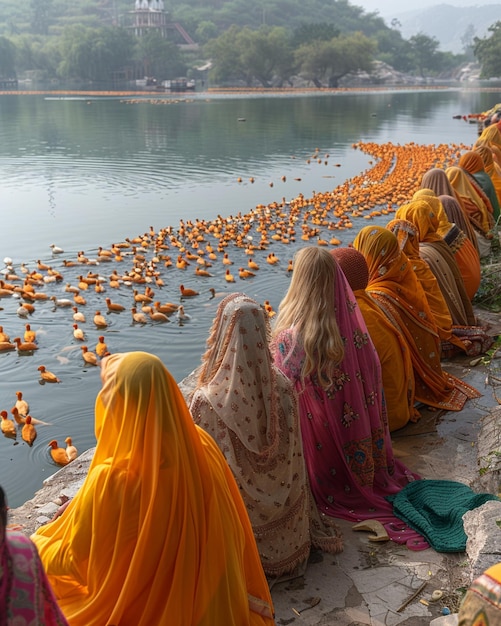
[435,509]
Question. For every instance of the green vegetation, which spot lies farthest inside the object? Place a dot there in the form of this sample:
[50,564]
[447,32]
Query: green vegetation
[266,42]
[488,52]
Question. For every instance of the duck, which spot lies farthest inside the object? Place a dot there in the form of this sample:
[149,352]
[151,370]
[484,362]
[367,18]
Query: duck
[78,333]
[182,315]
[114,306]
[6,345]
[56,249]
[99,320]
[58,455]
[78,316]
[201,272]
[229,278]
[101,347]
[22,405]
[243,273]
[42,267]
[7,425]
[187,293]
[28,432]
[3,336]
[22,311]
[29,335]
[157,316]
[47,376]
[17,418]
[61,302]
[138,318]
[78,299]
[89,357]
[26,346]
[71,451]
[251,264]
[142,297]
[167,308]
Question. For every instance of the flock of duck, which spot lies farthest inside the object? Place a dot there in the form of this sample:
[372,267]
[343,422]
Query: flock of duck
[229,249]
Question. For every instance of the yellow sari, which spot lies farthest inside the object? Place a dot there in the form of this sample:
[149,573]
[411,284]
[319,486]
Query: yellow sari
[158,533]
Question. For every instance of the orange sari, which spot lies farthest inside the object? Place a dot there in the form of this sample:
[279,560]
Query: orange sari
[158,533]
[395,287]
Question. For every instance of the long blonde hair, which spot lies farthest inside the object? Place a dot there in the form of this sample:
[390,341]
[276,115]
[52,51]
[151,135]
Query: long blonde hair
[309,308]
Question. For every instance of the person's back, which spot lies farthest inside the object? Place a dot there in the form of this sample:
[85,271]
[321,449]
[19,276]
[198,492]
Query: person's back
[249,408]
[158,533]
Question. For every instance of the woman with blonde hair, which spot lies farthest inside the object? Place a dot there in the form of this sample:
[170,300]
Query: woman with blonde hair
[321,343]
[158,533]
[249,408]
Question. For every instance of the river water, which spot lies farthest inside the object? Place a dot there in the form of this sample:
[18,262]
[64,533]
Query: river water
[84,172]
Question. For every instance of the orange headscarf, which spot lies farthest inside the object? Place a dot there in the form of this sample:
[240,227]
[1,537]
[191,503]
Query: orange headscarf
[158,533]
[474,200]
[394,285]
[429,196]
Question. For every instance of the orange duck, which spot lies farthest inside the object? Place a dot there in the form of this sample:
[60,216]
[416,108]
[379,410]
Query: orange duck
[101,347]
[89,357]
[7,425]
[26,346]
[47,376]
[58,455]
[28,432]
[187,293]
[71,451]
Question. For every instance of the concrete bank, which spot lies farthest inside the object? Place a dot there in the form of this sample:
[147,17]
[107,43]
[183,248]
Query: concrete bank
[374,583]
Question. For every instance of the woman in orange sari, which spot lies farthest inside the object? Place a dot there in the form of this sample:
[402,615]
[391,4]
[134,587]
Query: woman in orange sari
[396,364]
[466,257]
[471,340]
[438,255]
[395,287]
[465,254]
[476,205]
[473,164]
[158,533]
[436,180]
[491,137]
[491,167]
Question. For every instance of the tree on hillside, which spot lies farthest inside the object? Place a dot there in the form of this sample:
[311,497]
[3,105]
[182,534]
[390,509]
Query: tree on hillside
[306,33]
[94,53]
[425,54]
[328,61]
[248,55]
[488,52]
[159,57]
[7,58]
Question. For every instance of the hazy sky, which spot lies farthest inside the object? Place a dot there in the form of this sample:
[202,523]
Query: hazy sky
[388,7]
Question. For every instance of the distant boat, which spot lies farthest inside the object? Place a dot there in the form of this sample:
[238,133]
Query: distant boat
[179,84]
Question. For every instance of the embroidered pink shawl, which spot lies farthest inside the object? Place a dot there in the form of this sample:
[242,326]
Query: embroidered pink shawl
[346,440]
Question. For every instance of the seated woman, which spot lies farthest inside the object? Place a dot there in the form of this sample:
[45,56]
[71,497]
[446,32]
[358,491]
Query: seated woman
[473,164]
[440,258]
[491,167]
[322,345]
[158,533]
[394,356]
[436,180]
[249,408]
[395,287]
[471,340]
[25,593]
[465,255]
[476,205]
[464,252]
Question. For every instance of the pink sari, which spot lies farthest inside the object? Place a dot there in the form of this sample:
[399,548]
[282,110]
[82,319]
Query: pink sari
[26,598]
[346,441]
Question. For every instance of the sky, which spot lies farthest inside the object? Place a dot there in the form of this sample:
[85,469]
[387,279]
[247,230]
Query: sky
[388,7]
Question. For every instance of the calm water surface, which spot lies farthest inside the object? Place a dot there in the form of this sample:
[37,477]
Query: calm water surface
[83,173]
